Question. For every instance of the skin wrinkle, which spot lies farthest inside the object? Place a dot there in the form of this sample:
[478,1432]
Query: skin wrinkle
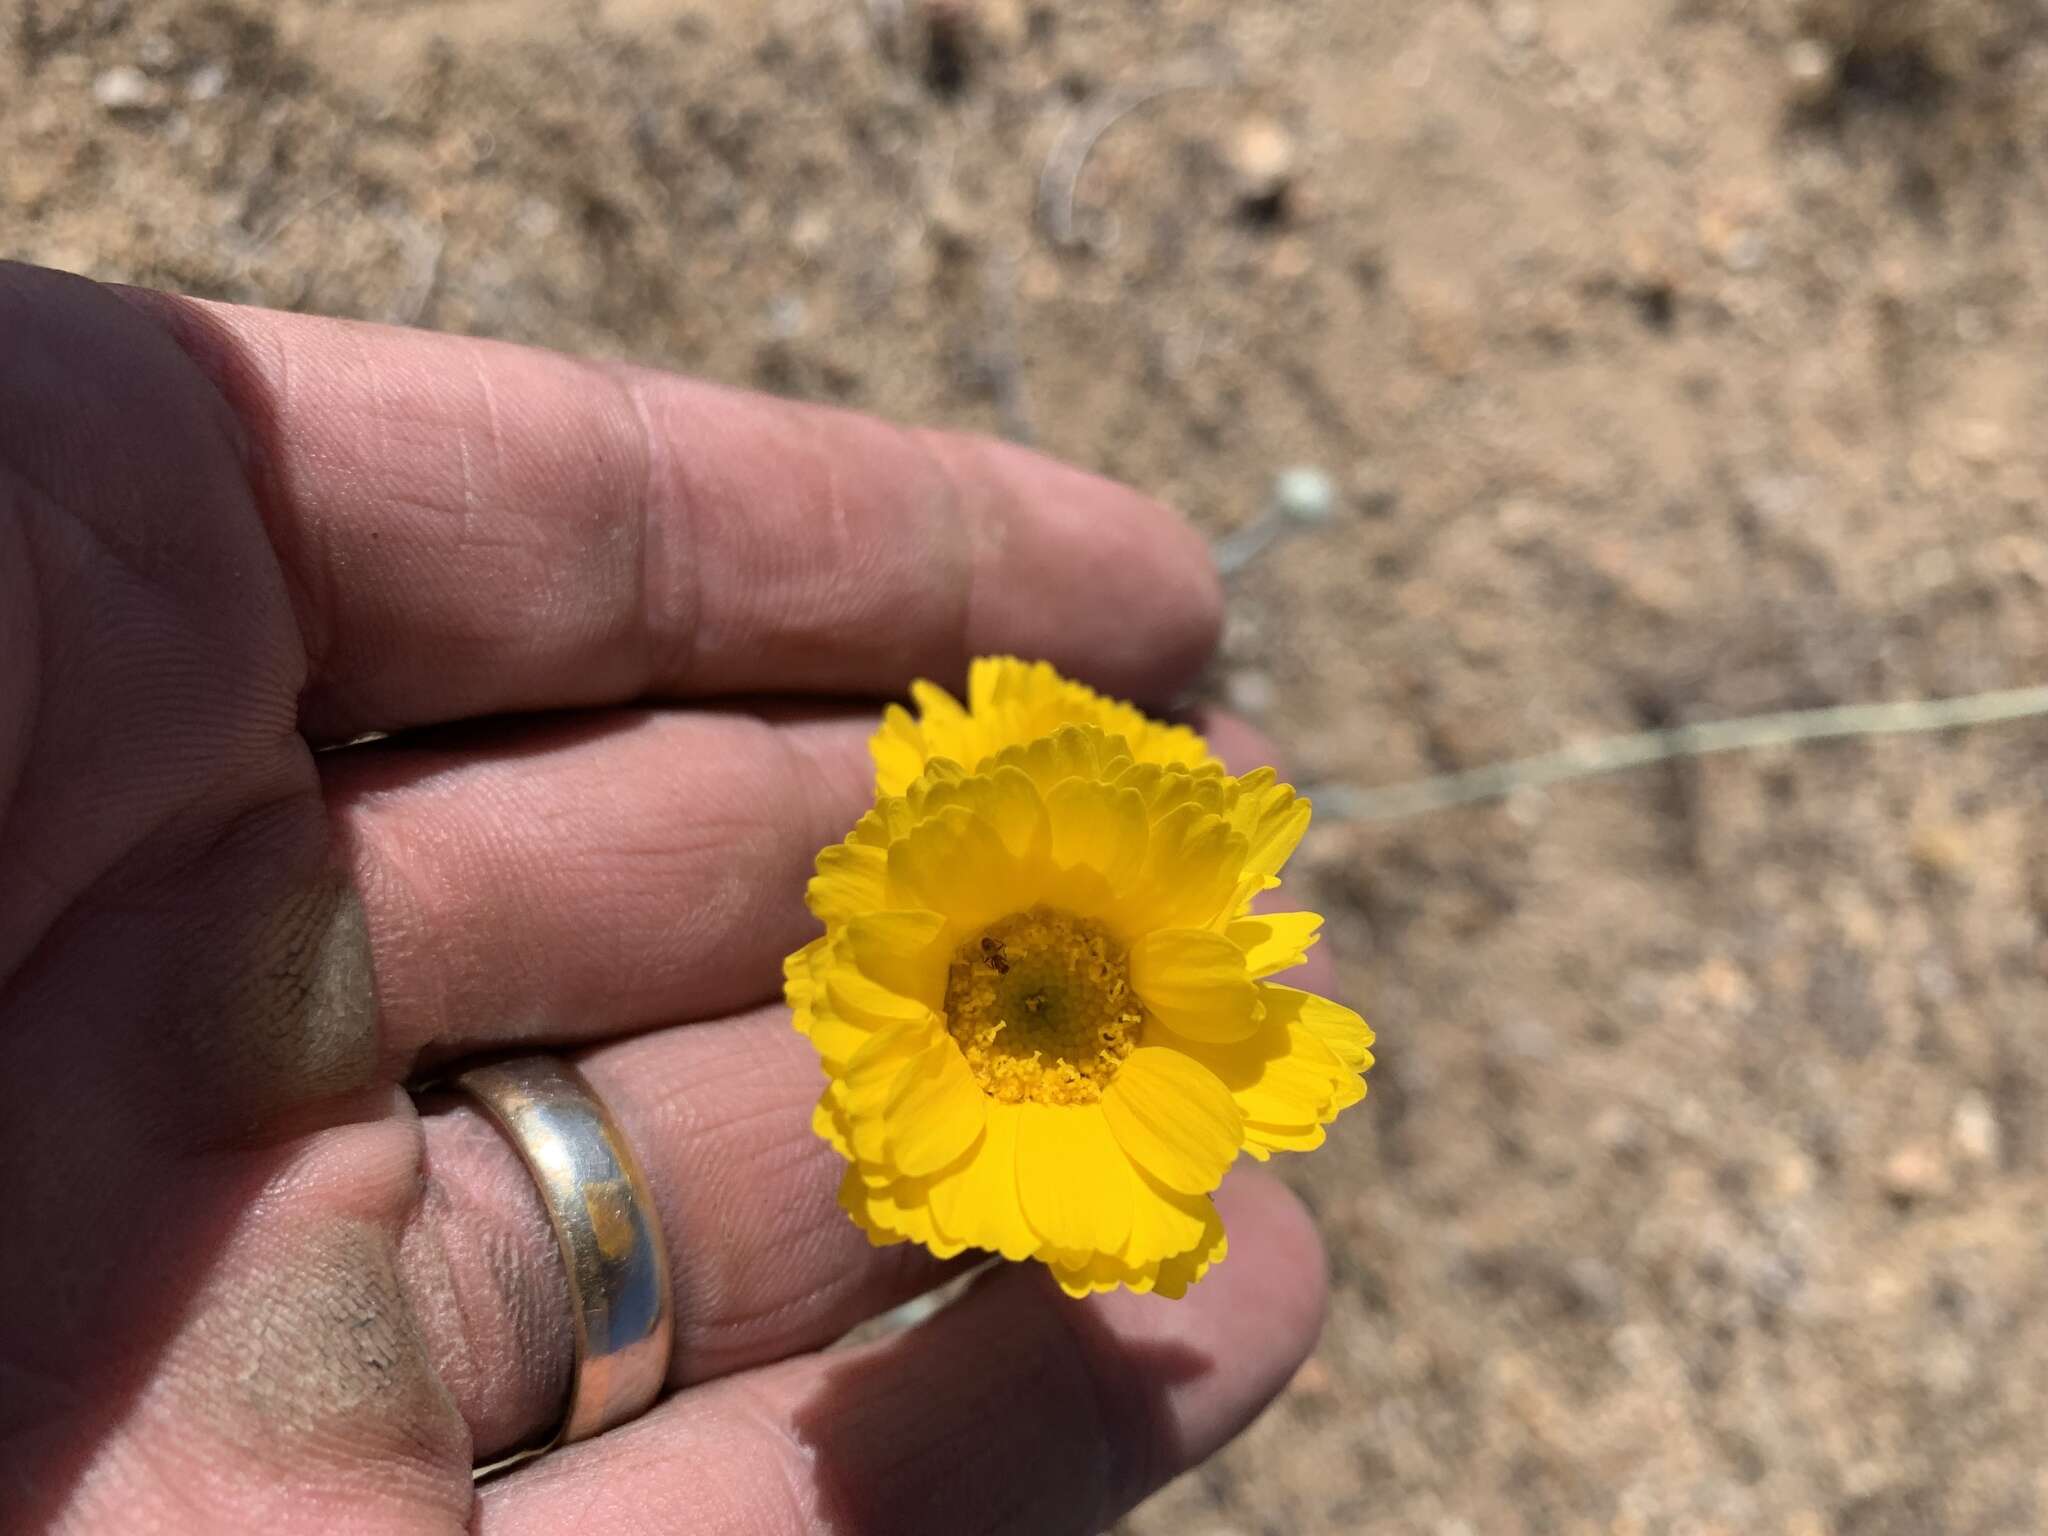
[969,528]
[462,434]
[795,1458]
[504,1282]
[249,408]
[668,665]
[310,582]
[811,778]
[23,599]
[357,853]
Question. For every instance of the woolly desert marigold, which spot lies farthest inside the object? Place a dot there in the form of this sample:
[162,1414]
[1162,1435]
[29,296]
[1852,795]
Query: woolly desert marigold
[1008,702]
[1042,1008]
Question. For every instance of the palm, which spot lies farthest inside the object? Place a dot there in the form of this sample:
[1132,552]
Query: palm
[244,1280]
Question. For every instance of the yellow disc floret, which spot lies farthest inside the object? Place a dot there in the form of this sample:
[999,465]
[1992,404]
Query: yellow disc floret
[1042,1007]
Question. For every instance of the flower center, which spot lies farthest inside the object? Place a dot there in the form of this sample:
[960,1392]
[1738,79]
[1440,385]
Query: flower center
[1042,1008]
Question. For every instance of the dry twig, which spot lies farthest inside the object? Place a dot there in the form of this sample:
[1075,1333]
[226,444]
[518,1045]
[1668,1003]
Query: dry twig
[1496,781]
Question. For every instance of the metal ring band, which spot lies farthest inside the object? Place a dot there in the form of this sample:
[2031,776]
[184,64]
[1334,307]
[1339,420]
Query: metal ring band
[605,1222]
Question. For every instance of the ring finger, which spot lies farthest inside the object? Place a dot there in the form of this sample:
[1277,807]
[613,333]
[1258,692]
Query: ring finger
[764,1263]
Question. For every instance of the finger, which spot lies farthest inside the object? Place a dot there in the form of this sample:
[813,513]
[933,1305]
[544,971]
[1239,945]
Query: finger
[1244,747]
[580,879]
[551,533]
[587,877]
[764,1263]
[1014,1411]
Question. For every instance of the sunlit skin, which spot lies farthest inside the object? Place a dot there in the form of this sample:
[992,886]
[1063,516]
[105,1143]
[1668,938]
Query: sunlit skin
[246,1284]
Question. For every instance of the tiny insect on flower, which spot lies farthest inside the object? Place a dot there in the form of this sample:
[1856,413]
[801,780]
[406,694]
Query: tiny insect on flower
[1042,999]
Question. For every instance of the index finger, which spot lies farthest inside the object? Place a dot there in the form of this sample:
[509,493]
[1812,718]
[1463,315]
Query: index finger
[469,527]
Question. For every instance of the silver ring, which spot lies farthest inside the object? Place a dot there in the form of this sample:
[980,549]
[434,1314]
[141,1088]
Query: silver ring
[604,1219]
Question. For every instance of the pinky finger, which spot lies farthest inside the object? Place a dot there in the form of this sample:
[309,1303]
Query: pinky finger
[1015,1411]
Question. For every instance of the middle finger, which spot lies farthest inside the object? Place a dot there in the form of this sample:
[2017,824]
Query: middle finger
[574,880]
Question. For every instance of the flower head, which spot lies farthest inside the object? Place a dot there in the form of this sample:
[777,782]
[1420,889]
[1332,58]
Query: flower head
[1042,1007]
[1010,702]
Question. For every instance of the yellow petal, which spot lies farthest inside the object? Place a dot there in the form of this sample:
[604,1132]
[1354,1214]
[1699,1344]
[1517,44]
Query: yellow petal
[892,1212]
[865,1001]
[852,878]
[889,821]
[1286,1074]
[1298,1086]
[1088,1279]
[1347,1035]
[1274,941]
[1175,1119]
[907,952]
[835,1039]
[898,751]
[1073,1180]
[800,981]
[1174,1239]
[1177,1274]
[1100,827]
[991,679]
[1194,982]
[1271,818]
[825,1124]
[1284,1138]
[942,712]
[1165,1222]
[934,1110]
[975,1203]
[865,1085]
[1192,863]
[1005,798]
[955,864]
[1070,752]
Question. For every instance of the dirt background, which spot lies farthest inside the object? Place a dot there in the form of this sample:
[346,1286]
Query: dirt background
[1672,360]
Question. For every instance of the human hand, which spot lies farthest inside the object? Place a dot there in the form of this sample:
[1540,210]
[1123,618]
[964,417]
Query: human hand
[245,1282]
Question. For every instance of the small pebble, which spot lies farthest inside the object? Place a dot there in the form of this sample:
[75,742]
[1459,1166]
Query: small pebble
[1304,494]
[1262,163]
[1916,1172]
[206,82]
[1518,22]
[788,316]
[1746,252]
[1973,1131]
[1618,1133]
[1312,1379]
[1249,692]
[1809,72]
[124,88]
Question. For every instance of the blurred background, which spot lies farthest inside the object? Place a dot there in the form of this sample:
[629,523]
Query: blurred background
[1670,360]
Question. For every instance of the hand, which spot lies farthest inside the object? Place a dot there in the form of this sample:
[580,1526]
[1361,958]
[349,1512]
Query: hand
[244,1283]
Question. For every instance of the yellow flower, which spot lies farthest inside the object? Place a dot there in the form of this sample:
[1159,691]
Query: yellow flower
[1042,1009]
[1010,702]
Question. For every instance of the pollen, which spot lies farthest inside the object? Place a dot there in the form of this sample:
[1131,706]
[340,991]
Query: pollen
[1042,1008]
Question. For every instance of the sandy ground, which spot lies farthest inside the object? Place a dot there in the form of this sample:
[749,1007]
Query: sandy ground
[1673,359]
